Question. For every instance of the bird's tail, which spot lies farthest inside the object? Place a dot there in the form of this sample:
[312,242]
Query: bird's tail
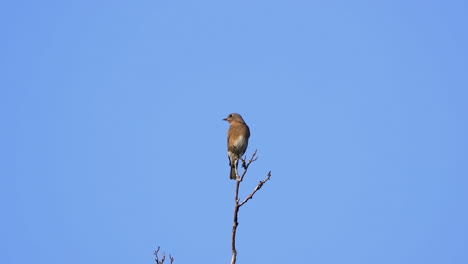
[233,173]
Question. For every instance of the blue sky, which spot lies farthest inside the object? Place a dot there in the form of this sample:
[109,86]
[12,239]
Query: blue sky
[112,141]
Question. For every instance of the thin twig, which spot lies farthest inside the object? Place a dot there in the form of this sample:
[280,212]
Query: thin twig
[259,186]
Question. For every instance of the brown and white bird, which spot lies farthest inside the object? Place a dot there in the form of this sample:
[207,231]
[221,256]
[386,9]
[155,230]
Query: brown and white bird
[238,139]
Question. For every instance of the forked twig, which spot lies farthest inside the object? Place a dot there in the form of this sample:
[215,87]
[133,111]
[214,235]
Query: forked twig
[237,206]
[163,257]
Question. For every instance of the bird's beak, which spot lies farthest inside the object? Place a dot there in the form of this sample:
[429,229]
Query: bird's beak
[225,119]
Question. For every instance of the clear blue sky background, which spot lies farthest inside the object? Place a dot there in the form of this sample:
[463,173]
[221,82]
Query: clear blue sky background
[112,141]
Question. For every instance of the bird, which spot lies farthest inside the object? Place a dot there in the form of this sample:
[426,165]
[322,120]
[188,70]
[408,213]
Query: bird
[237,141]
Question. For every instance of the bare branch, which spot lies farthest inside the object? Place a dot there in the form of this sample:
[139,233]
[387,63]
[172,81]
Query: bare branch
[245,165]
[252,159]
[259,186]
[163,257]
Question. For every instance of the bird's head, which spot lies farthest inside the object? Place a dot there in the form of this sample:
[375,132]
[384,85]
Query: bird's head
[234,117]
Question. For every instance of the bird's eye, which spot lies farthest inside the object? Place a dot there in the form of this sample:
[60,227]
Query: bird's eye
[230,115]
